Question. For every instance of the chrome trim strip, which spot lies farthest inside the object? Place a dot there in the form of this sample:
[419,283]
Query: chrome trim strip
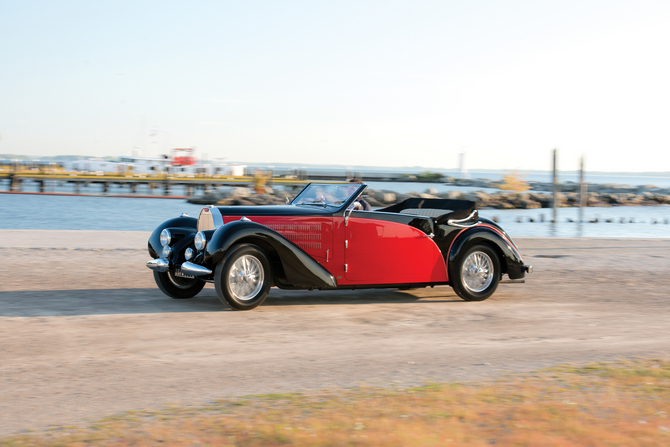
[347,214]
[459,222]
[158,265]
[189,268]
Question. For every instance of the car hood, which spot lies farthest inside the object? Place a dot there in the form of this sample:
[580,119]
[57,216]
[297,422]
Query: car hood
[275,210]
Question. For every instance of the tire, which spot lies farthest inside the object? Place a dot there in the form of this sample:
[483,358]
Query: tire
[476,273]
[242,279]
[178,288]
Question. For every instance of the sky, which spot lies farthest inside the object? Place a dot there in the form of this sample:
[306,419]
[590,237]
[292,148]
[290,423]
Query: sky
[379,83]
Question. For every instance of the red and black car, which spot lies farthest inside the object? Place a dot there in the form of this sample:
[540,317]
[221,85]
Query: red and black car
[322,240]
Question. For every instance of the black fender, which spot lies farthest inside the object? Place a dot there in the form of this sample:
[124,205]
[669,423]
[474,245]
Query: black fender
[299,268]
[180,227]
[512,262]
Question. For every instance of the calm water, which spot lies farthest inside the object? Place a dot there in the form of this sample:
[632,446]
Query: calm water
[19,211]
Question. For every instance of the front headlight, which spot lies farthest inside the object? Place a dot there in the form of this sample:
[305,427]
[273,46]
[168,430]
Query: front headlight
[167,252]
[166,237]
[188,254]
[200,241]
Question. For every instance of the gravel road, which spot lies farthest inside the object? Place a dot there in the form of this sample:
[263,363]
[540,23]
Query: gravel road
[85,332]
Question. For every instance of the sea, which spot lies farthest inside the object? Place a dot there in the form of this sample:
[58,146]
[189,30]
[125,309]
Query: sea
[101,212]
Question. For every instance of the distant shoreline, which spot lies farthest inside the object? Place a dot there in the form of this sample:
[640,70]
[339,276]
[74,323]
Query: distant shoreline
[127,196]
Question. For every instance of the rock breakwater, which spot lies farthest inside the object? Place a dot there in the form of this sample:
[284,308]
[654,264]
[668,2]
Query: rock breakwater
[598,195]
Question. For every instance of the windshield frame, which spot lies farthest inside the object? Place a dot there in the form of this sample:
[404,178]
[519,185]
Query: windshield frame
[337,207]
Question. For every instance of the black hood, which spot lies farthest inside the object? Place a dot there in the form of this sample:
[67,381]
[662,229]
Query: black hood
[276,210]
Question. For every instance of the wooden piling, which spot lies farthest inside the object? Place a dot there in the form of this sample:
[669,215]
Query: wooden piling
[582,190]
[555,189]
[15,183]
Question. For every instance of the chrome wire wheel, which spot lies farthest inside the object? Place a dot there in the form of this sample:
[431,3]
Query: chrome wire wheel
[246,277]
[477,272]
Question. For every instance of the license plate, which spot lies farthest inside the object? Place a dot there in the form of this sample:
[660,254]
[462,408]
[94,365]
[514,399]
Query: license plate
[178,273]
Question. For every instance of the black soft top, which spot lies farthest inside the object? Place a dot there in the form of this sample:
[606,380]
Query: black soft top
[441,209]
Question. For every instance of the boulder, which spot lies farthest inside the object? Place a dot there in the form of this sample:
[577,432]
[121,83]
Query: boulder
[529,204]
[228,201]
[240,191]
[375,203]
[399,197]
[389,197]
[663,198]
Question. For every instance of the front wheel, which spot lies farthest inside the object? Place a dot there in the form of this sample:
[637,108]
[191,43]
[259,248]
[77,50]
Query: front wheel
[242,279]
[176,286]
[476,273]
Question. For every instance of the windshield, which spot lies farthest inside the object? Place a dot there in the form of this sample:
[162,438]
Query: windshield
[328,194]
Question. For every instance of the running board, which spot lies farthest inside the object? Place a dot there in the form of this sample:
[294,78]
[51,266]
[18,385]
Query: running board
[513,281]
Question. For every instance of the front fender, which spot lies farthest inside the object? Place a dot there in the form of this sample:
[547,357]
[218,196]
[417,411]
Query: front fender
[179,226]
[300,269]
[511,258]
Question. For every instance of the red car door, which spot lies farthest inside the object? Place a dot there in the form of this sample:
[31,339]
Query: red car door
[383,252]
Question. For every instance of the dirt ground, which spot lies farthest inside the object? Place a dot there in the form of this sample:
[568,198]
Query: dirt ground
[85,333]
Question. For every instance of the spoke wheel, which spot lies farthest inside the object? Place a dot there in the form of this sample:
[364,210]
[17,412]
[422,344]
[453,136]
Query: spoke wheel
[246,277]
[242,277]
[476,273]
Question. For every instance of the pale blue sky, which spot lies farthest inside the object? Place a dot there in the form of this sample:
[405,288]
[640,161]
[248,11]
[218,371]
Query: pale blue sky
[388,83]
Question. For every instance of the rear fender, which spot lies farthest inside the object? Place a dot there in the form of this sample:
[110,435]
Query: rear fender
[179,227]
[512,262]
[300,269]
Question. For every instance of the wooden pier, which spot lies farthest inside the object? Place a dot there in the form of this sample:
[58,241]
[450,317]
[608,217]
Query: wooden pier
[163,183]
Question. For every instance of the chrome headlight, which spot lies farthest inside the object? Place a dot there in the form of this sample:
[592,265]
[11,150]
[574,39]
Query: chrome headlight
[188,254]
[166,237]
[167,252]
[200,240]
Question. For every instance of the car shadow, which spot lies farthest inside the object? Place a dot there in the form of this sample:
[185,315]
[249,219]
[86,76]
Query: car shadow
[360,296]
[139,301]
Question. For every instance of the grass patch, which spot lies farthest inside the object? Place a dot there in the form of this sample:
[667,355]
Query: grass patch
[600,404]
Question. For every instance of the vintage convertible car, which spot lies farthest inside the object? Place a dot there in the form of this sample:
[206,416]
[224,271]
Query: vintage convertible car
[321,240]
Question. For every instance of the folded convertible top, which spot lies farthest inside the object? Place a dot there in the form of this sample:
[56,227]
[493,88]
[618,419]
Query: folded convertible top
[443,209]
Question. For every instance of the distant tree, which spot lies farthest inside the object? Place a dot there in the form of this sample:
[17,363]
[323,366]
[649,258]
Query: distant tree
[513,182]
[260,179]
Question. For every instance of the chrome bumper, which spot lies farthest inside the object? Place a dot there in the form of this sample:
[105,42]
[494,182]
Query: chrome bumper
[528,268]
[158,265]
[189,268]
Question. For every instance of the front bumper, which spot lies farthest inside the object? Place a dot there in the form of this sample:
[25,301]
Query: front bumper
[159,265]
[189,268]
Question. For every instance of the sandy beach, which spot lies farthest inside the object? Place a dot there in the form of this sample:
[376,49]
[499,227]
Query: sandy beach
[86,333]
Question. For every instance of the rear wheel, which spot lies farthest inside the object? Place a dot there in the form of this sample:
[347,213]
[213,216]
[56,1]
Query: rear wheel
[242,279]
[476,273]
[176,286]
